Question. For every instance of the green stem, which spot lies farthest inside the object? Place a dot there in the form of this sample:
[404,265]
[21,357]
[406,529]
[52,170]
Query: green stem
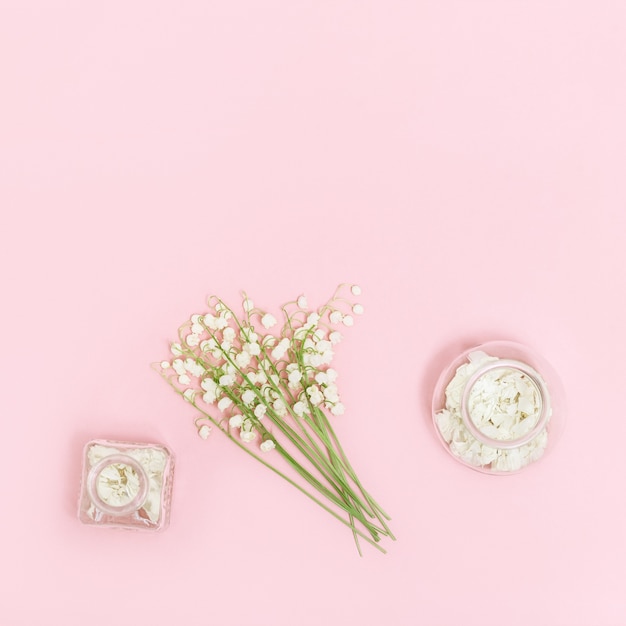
[340,501]
[381,515]
[308,452]
[355,530]
[311,435]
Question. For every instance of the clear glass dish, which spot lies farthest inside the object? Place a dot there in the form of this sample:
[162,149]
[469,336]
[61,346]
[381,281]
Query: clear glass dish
[498,407]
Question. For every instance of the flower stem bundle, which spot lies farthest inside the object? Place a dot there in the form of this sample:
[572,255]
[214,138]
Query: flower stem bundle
[274,393]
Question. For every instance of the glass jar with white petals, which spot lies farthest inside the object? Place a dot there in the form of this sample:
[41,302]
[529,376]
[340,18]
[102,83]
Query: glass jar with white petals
[126,485]
[498,407]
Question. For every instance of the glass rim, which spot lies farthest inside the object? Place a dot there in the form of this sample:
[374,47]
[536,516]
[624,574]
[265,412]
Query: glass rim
[535,378]
[133,504]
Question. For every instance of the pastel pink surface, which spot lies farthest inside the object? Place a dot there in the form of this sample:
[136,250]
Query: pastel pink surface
[462,161]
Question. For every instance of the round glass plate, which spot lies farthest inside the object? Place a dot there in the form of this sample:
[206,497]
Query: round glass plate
[498,407]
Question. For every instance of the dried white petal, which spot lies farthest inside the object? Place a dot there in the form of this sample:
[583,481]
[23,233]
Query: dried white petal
[504,404]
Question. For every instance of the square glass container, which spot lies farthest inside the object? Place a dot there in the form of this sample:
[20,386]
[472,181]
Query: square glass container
[126,485]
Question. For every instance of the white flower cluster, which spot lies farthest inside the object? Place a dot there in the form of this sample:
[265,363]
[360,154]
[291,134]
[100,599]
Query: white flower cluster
[504,405]
[249,372]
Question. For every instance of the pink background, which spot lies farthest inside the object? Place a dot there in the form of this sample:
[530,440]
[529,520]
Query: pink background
[462,160]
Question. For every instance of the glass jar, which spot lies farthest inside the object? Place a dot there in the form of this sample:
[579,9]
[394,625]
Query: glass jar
[126,485]
[498,407]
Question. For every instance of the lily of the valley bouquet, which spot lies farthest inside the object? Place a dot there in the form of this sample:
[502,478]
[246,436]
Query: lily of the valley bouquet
[272,392]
